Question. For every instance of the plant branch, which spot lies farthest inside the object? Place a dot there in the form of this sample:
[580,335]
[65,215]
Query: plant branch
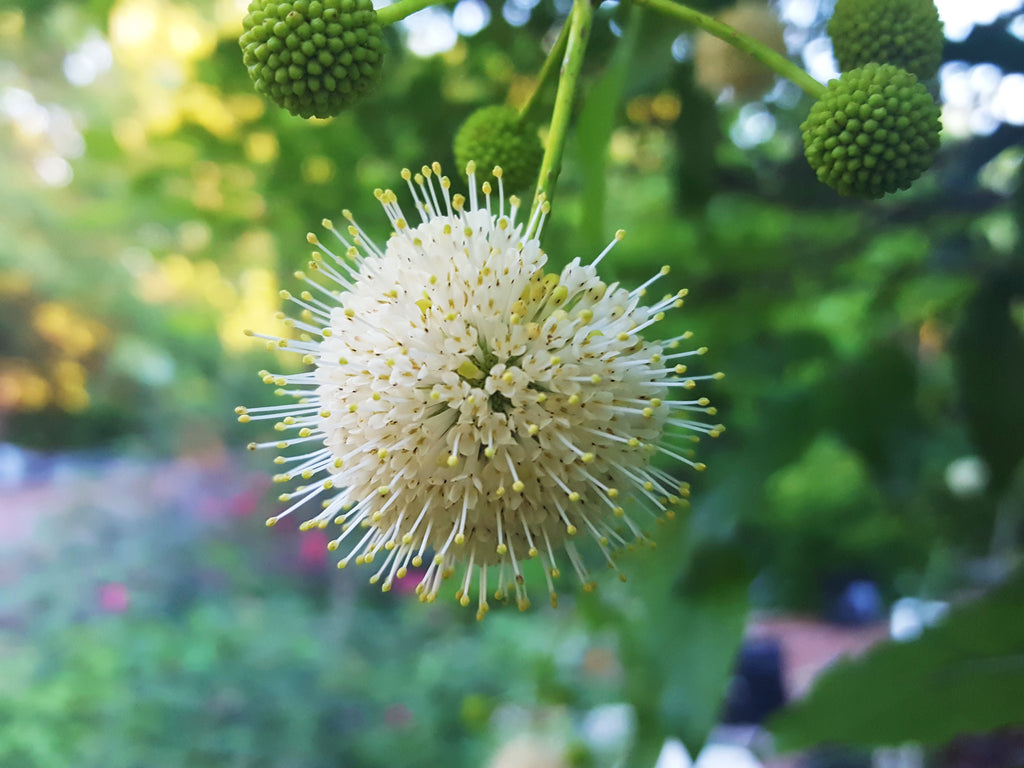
[774,61]
[555,55]
[572,63]
[389,14]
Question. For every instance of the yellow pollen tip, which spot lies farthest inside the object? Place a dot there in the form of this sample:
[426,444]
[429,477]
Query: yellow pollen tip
[501,549]
[460,539]
[518,486]
[452,460]
[271,522]
[586,458]
[312,239]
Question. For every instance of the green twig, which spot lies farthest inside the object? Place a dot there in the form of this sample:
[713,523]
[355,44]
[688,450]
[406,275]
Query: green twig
[572,63]
[774,61]
[389,14]
[528,113]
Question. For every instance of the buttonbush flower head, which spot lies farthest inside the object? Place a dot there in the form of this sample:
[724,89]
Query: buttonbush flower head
[466,408]
[904,33]
[874,131]
[313,57]
[719,66]
[496,135]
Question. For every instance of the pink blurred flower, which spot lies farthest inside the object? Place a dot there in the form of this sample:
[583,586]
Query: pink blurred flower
[112,597]
[406,585]
[313,548]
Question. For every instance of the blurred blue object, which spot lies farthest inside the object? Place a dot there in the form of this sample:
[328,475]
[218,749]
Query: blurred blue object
[756,689]
[857,602]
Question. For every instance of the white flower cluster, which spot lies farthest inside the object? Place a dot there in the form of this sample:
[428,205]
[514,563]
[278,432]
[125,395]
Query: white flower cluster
[466,407]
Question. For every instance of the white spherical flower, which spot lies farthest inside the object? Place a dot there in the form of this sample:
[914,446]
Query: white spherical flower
[465,406]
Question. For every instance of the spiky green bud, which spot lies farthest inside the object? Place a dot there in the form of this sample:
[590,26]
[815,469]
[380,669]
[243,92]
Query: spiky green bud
[313,57]
[904,33]
[874,131]
[495,136]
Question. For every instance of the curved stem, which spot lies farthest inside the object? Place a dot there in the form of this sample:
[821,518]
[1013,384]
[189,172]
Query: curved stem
[389,14]
[572,63]
[528,112]
[774,61]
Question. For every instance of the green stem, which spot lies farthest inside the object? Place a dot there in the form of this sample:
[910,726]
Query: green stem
[774,61]
[389,14]
[572,63]
[528,113]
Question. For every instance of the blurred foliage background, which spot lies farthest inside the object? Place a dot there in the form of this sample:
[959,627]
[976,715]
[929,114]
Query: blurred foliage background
[151,207]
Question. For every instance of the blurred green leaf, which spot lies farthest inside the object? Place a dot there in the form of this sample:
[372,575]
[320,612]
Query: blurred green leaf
[963,676]
[679,637]
[594,129]
[989,362]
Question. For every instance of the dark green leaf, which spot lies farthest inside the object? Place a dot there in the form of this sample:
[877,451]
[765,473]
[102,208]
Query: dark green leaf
[966,675]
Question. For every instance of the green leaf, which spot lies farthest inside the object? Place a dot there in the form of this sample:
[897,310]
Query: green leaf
[963,676]
[594,130]
[678,636]
[988,354]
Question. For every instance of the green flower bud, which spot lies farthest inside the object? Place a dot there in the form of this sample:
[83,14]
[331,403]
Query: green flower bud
[874,131]
[495,136]
[313,57]
[905,33]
